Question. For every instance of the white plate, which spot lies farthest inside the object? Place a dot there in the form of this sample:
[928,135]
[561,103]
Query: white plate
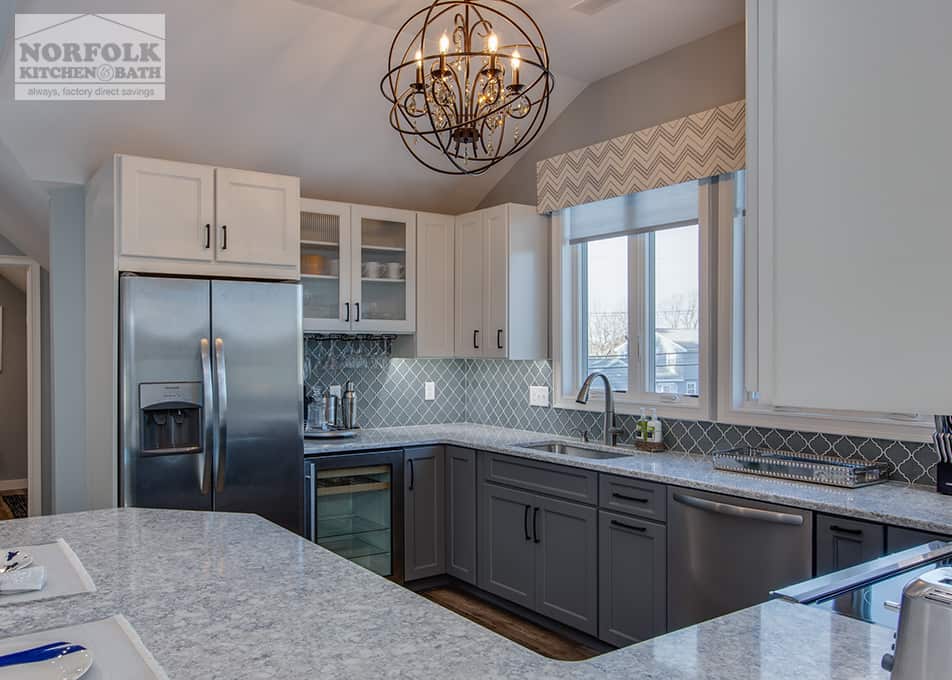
[16,557]
[70,667]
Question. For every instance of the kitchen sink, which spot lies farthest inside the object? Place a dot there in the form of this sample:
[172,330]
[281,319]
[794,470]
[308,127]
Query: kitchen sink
[575,450]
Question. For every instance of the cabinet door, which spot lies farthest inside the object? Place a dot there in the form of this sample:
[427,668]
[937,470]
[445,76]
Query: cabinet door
[566,538]
[436,260]
[900,538]
[424,503]
[496,300]
[632,579]
[166,209]
[384,269]
[470,289]
[461,513]
[259,220]
[507,554]
[842,543]
[325,265]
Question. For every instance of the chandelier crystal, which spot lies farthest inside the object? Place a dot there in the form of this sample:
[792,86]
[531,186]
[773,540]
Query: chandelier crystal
[468,83]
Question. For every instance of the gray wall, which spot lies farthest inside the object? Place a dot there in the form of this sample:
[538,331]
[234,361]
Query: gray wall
[13,401]
[691,78]
[68,323]
[7,247]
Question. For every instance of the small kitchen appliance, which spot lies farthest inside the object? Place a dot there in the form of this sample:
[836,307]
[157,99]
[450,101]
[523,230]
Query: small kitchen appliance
[922,650]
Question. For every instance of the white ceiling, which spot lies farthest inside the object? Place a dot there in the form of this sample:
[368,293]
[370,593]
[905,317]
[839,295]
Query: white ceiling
[292,86]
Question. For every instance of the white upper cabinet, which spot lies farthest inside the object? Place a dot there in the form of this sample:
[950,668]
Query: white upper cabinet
[502,283]
[358,268]
[384,269]
[167,209]
[258,217]
[188,219]
[848,148]
[436,304]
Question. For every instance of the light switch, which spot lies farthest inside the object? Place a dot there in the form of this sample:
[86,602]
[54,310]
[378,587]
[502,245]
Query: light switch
[429,390]
[538,396]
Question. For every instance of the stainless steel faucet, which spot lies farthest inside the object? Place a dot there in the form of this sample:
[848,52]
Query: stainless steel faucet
[610,428]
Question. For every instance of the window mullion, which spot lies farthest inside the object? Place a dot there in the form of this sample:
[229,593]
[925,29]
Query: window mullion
[637,346]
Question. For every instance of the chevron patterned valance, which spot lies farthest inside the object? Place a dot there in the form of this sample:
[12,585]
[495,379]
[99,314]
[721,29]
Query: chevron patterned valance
[701,145]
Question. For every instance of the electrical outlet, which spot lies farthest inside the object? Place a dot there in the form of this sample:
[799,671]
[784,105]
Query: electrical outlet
[334,390]
[429,390]
[538,396]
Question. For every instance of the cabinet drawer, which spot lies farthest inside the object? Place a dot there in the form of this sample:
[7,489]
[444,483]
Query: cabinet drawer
[842,543]
[555,480]
[633,496]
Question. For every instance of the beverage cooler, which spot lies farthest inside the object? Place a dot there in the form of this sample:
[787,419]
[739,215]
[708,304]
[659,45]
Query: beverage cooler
[354,507]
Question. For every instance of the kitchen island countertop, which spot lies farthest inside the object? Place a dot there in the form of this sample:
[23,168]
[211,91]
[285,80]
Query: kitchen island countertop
[915,507]
[232,596]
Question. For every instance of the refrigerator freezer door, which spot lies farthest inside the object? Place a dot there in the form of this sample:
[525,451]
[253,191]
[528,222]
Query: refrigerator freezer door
[257,342]
[162,325]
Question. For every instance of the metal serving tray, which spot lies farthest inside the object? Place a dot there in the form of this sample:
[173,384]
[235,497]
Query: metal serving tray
[802,467]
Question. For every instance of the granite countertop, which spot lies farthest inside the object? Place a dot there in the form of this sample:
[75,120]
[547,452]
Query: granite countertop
[232,596]
[895,503]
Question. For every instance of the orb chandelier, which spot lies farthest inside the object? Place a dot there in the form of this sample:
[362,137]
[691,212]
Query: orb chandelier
[469,84]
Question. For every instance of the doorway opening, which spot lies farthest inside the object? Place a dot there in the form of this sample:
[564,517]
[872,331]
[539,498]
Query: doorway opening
[20,428]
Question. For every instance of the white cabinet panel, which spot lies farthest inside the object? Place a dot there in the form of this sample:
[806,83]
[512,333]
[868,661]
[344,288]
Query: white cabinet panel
[436,255]
[326,265]
[470,284]
[258,218]
[383,269]
[849,149]
[166,209]
[496,291]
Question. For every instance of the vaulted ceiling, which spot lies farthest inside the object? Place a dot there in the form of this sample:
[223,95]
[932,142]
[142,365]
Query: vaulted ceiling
[292,86]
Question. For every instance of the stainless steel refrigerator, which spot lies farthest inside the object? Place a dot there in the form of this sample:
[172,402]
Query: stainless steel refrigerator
[211,396]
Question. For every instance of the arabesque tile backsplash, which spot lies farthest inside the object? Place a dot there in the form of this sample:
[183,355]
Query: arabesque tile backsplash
[496,392]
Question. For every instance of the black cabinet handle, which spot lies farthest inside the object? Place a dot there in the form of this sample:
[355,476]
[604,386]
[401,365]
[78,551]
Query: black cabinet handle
[616,523]
[224,237]
[535,526]
[475,339]
[208,236]
[499,339]
[843,530]
[525,523]
[357,307]
[347,311]
[412,476]
[633,499]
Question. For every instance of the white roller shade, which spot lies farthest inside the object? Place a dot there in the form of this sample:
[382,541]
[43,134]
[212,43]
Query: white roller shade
[652,210]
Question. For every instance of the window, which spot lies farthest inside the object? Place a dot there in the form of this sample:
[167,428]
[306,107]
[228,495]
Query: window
[632,295]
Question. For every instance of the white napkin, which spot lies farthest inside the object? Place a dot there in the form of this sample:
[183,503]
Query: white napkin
[23,580]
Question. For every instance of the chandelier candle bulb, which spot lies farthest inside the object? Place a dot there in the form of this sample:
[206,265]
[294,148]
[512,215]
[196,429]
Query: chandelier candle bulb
[418,57]
[515,67]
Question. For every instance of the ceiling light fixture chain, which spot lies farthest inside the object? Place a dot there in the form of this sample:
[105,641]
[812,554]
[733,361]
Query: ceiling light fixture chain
[454,84]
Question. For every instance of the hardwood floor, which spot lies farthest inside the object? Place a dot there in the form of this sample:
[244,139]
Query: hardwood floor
[517,629]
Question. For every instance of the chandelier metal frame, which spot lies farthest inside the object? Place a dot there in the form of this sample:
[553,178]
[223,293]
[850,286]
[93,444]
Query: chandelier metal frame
[460,100]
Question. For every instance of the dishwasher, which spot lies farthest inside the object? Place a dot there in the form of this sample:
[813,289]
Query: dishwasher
[727,553]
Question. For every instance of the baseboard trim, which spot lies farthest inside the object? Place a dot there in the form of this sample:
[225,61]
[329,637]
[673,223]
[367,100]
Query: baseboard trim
[12,484]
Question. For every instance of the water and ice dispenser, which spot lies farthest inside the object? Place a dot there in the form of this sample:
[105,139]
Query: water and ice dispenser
[170,418]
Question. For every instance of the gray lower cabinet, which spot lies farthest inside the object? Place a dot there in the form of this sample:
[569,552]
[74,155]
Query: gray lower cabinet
[842,543]
[507,553]
[900,538]
[461,513]
[566,539]
[632,579]
[424,516]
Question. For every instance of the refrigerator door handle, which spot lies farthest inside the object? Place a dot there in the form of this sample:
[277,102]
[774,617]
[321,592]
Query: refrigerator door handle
[208,408]
[222,413]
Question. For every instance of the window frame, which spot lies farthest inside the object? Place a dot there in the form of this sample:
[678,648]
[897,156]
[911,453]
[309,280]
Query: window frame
[566,327]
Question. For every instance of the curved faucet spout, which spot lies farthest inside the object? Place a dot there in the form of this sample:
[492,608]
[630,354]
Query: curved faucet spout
[611,430]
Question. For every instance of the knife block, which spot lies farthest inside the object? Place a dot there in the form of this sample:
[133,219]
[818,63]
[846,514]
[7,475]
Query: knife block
[943,478]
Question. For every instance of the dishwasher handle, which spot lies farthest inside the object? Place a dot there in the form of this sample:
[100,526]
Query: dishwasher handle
[740,511]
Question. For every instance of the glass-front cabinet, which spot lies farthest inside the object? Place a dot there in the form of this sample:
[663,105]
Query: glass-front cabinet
[358,268]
